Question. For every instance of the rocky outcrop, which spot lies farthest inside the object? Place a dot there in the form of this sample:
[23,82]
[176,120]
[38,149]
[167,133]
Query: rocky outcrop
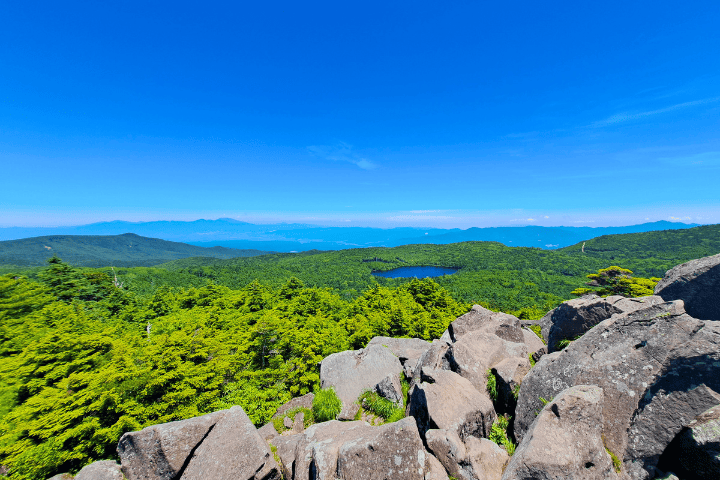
[304,401]
[102,470]
[658,367]
[268,431]
[533,342]
[408,350]
[354,451]
[695,453]
[481,319]
[474,459]
[508,377]
[434,357]
[160,452]
[476,352]
[351,373]
[565,440]
[390,388]
[575,317]
[445,400]
[697,283]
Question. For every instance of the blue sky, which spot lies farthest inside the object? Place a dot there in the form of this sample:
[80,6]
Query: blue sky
[414,113]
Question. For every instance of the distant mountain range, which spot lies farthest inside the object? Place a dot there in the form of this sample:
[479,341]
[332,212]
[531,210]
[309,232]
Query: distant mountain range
[284,237]
[101,251]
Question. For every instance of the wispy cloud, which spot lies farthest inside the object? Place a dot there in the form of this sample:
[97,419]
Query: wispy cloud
[628,116]
[706,159]
[342,152]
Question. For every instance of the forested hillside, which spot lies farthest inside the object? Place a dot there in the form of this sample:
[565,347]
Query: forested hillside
[100,251]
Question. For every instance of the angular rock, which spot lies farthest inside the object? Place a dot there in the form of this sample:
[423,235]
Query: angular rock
[267,431]
[233,449]
[695,452]
[59,476]
[565,440]
[298,424]
[160,452]
[434,357]
[435,470]
[539,354]
[445,400]
[508,377]
[575,317]
[287,423]
[478,351]
[408,350]
[481,319]
[476,459]
[697,283]
[393,450]
[353,372]
[354,451]
[391,389]
[659,369]
[304,401]
[102,470]
[532,341]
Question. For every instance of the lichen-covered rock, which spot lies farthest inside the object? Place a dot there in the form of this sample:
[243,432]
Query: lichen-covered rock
[350,373]
[565,441]
[102,470]
[354,451]
[697,283]
[575,317]
[659,369]
[408,350]
[160,452]
[233,449]
[445,400]
[694,454]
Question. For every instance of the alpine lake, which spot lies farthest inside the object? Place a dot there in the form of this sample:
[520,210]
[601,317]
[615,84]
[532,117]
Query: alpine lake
[417,272]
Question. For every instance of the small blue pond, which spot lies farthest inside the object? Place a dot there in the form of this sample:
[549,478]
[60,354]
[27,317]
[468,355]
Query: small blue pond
[417,272]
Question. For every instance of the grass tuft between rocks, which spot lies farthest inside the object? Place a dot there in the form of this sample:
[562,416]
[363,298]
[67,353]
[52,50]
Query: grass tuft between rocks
[382,407]
[326,405]
[498,434]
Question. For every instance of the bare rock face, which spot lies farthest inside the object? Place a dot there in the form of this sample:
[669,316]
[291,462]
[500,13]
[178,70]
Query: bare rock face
[659,369]
[354,451]
[408,350]
[697,283]
[477,352]
[565,441]
[532,341]
[391,389]
[445,400]
[435,469]
[575,317]
[353,372]
[695,452]
[233,449]
[476,459]
[160,452]
[481,319]
[267,431]
[102,470]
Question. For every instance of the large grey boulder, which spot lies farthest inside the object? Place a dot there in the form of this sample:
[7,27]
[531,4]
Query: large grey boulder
[474,459]
[232,450]
[575,317]
[160,452]
[658,367]
[532,341]
[445,400]
[102,470]
[481,319]
[434,357]
[435,469]
[697,283]
[408,350]
[476,352]
[695,452]
[354,451]
[565,441]
[350,373]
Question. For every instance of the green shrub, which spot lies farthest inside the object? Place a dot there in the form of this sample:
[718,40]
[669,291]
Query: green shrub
[308,418]
[382,407]
[532,360]
[326,405]
[492,386]
[498,434]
